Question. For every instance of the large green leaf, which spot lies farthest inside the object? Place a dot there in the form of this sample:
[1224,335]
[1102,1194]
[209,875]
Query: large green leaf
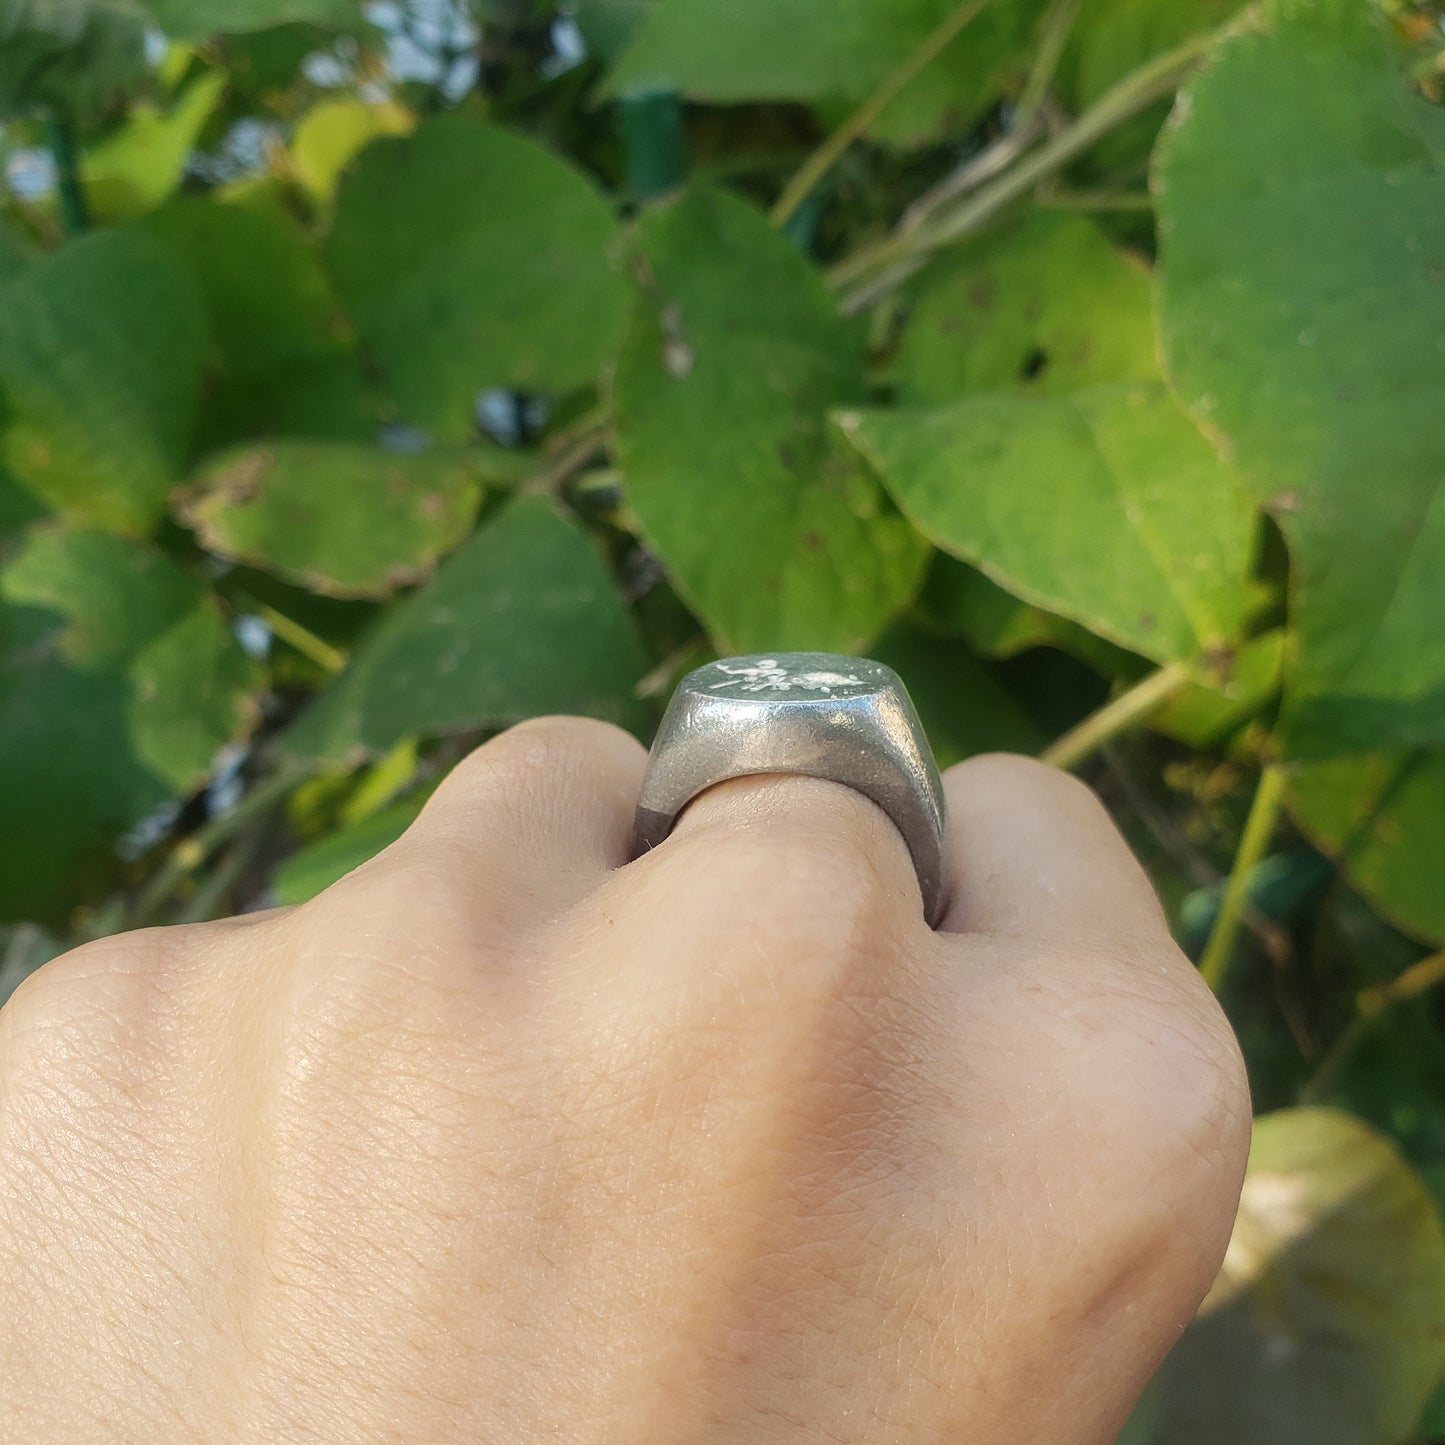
[74,57]
[800,50]
[200,19]
[1047,304]
[342,520]
[1327,1323]
[1301,193]
[119,681]
[1383,816]
[522,620]
[771,530]
[280,361]
[100,371]
[1106,506]
[471,258]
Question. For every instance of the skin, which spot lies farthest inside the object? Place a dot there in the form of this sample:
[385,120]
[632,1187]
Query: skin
[505,1138]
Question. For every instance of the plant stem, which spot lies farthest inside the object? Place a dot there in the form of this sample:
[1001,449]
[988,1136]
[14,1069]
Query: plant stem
[1369,1005]
[1258,829]
[70,192]
[306,642]
[569,453]
[1057,24]
[1116,715]
[869,272]
[822,160]
[188,855]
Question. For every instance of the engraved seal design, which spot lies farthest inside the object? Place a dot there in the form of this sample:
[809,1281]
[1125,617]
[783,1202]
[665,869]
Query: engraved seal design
[769,675]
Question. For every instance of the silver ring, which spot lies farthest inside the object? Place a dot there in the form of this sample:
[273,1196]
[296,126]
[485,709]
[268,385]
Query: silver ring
[815,713]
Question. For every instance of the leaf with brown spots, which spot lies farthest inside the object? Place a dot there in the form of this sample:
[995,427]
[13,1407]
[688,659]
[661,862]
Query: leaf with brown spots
[342,520]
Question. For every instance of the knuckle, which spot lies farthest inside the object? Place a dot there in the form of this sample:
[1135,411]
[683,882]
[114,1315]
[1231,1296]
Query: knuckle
[540,748]
[99,1022]
[1048,785]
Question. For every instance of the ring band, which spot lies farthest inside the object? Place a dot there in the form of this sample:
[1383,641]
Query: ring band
[817,714]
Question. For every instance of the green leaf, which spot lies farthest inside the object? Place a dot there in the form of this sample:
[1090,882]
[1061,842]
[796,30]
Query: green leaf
[344,521]
[472,258]
[17,254]
[1383,817]
[1327,1323]
[967,602]
[333,132]
[772,532]
[798,50]
[1111,38]
[100,371]
[963,706]
[1108,40]
[1205,715]
[74,57]
[523,619]
[1106,506]
[609,25]
[320,864]
[139,165]
[1047,304]
[1302,323]
[119,682]
[201,19]
[280,363]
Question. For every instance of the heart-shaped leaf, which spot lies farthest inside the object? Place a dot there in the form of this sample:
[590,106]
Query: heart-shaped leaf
[1301,195]
[1105,505]
[472,258]
[523,619]
[771,530]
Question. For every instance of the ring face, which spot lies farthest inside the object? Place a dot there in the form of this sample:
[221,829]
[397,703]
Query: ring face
[820,714]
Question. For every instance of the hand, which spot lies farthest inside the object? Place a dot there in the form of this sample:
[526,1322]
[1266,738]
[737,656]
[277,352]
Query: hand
[505,1139]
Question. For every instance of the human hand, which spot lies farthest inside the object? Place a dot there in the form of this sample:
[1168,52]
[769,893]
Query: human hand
[500,1140]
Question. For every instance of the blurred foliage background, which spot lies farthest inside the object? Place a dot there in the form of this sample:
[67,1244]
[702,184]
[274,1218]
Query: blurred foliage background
[371,378]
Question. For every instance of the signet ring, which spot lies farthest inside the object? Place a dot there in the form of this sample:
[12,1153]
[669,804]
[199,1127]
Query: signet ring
[817,714]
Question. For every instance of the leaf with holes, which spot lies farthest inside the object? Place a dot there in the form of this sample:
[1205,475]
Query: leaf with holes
[1046,304]
[771,530]
[1304,324]
[100,373]
[119,683]
[1105,506]
[472,258]
[523,619]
